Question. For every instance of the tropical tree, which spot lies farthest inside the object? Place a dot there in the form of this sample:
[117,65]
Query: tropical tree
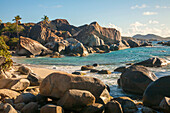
[45,20]
[16,19]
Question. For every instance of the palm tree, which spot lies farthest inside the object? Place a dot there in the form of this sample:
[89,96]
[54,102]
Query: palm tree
[16,19]
[45,20]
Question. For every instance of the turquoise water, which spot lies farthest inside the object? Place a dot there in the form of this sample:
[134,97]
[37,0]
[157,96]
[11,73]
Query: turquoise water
[109,61]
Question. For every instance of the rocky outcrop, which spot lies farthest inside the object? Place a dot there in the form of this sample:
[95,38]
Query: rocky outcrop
[154,62]
[8,93]
[28,46]
[56,84]
[42,33]
[50,108]
[95,31]
[133,43]
[135,79]
[156,92]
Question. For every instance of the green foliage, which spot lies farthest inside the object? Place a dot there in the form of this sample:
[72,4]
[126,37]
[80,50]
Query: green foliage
[13,43]
[45,18]
[5,53]
[0,21]
[5,38]
[17,18]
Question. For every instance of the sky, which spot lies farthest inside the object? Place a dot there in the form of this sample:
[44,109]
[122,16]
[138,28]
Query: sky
[130,17]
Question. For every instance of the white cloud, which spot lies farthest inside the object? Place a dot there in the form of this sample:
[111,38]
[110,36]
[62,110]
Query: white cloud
[142,28]
[139,7]
[114,26]
[150,13]
[153,22]
[162,7]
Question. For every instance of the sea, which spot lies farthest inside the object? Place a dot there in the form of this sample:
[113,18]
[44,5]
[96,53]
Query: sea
[108,61]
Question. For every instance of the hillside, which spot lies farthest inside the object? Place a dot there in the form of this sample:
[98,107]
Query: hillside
[150,37]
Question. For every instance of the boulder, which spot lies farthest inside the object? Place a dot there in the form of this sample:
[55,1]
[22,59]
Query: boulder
[24,70]
[56,84]
[165,105]
[7,108]
[72,41]
[87,67]
[19,106]
[94,108]
[34,79]
[104,72]
[95,65]
[31,107]
[79,48]
[59,47]
[3,75]
[26,98]
[78,73]
[50,108]
[28,46]
[125,43]
[120,69]
[156,91]
[75,99]
[135,79]
[55,55]
[120,45]
[8,93]
[154,62]
[133,43]
[14,84]
[113,107]
[94,70]
[93,40]
[127,104]
[94,30]
[167,43]
[146,44]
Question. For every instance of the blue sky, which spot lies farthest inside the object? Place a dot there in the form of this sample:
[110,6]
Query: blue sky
[129,16]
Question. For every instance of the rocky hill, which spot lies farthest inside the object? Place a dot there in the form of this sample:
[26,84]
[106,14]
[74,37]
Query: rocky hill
[150,37]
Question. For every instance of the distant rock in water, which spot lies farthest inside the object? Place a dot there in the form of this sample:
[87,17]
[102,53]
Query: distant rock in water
[28,46]
[154,62]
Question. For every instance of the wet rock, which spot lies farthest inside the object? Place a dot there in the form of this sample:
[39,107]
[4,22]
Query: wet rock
[113,107]
[95,65]
[156,92]
[55,55]
[50,108]
[153,62]
[87,67]
[94,108]
[78,73]
[34,79]
[165,104]
[76,99]
[133,43]
[24,70]
[31,107]
[56,84]
[120,69]
[127,104]
[136,79]
[26,98]
[104,72]
[94,70]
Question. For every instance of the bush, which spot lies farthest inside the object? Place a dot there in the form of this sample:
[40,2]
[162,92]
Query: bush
[5,53]
[12,43]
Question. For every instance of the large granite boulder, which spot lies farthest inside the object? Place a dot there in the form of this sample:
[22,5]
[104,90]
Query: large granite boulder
[133,43]
[113,107]
[154,62]
[135,79]
[75,99]
[78,48]
[7,108]
[108,35]
[56,84]
[93,40]
[14,84]
[41,33]
[31,107]
[156,91]
[28,46]
[120,45]
[9,93]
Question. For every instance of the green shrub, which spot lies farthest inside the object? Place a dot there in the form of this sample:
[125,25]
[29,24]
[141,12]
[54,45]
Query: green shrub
[5,53]
[12,43]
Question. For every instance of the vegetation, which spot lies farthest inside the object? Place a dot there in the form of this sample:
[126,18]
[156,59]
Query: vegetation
[0,21]
[16,19]
[5,53]
[12,43]
[45,19]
